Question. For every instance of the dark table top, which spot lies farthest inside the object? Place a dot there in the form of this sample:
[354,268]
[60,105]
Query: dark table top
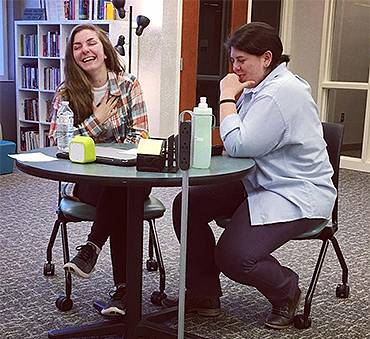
[222,168]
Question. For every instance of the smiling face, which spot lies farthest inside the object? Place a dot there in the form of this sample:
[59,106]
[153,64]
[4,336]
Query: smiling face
[250,67]
[88,52]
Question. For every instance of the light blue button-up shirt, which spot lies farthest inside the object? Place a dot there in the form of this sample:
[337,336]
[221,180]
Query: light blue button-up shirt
[278,126]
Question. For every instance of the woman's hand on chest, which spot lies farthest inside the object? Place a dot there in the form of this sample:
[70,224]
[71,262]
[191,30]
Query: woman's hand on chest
[106,108]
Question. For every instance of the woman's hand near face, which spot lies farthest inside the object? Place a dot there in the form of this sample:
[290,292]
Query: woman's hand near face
[230,86]
[106,108]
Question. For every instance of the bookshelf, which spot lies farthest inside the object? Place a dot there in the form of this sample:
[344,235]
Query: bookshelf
[40,47]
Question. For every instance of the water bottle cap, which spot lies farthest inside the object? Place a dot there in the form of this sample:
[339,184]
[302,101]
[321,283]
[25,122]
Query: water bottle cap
[203,102]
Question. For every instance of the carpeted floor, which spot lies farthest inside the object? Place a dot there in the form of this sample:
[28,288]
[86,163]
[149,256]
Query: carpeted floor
[27,213]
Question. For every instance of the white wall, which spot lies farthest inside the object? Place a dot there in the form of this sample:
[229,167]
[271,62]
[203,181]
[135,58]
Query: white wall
[305,44]
[29,4]
[159,60]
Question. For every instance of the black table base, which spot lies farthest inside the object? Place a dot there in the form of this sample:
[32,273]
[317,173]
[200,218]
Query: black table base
[149,327]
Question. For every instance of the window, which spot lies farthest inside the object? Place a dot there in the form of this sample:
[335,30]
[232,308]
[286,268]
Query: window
[3,42]
[345,79]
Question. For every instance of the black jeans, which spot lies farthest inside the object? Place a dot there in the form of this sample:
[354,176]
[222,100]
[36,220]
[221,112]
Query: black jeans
[243,252]
[109,221]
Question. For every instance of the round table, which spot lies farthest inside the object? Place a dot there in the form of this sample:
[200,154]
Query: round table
[222,169]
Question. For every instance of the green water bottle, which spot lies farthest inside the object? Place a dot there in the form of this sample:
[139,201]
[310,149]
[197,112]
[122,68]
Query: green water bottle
[202,134]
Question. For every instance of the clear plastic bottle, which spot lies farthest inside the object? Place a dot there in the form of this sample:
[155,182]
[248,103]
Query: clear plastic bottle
[64,132]
[202,134]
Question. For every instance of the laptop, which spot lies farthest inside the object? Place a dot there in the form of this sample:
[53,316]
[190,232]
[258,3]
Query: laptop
[120,154]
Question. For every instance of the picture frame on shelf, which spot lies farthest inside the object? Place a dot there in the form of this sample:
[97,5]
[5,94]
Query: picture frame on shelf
[33,14]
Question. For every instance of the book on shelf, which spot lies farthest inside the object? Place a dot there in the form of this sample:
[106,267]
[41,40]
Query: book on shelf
[54,10]
[109,11]
[28,44]
[31,109]
[29,76]
[51,78]
[46,138]
[51,44]
[29,136]
[79,10]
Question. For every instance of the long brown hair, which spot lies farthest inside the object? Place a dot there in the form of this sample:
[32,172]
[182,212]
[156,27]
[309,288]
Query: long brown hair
[77,88]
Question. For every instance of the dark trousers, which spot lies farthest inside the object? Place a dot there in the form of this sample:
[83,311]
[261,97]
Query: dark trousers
[243,252]
[109,221]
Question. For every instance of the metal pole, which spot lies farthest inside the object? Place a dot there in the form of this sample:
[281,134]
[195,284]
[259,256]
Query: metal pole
[130,40]
[185,159]
[183,243]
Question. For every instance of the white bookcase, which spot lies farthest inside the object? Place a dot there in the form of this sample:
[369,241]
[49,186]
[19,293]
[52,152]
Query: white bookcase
[34,71]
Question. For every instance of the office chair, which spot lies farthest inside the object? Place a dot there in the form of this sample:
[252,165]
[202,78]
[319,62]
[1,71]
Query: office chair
[70,210]
[333,135]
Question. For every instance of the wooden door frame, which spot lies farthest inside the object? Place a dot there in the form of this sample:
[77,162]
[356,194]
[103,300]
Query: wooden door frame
[189,49]
[189,46]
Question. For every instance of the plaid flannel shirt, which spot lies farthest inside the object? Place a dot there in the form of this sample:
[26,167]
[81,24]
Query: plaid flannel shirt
[127,122]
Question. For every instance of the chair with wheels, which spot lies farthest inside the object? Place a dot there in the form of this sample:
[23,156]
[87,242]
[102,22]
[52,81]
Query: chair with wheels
[70,210]
[333,135]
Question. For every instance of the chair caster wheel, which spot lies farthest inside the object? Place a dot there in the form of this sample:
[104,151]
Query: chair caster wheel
[151,265]
[300,322]
[63,303]
[49,269]
[157,297]
[342,291]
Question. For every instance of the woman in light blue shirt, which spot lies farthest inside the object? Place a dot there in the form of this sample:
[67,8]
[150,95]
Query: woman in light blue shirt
[275,122]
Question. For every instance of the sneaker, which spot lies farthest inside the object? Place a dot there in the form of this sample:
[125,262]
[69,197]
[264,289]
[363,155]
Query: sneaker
[283,316]
[83,263]
[117,302]
[206,307]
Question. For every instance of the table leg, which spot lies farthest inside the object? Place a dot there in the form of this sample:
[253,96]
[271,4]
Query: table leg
[133,325]
[135,211]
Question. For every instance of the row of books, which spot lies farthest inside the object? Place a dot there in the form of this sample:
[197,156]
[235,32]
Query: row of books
[51,44]
[28,45]
[79,10]
[51,78]
[29,138]
[31,109]
[29,76]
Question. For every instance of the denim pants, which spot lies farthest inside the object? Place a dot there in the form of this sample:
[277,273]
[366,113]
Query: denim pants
[109,221]
[243,252]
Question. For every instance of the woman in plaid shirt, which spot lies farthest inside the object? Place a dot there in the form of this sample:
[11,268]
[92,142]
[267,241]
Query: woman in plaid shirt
[108,106]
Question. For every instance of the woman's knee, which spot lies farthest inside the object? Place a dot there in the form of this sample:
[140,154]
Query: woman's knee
[233,261]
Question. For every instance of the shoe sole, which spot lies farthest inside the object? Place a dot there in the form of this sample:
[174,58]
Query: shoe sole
[279,327]
[74,269]
[113,311]
[206,312]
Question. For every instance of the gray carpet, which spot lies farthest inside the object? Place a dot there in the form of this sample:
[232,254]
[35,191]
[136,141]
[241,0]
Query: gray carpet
[27,213]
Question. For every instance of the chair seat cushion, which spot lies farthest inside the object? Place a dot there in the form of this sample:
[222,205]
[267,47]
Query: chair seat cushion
[153,208]
[76,210]
[314,232]
[223,220]
[79,211]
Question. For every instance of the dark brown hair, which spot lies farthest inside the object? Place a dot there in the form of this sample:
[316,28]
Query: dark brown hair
[256,38]
[76,87]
